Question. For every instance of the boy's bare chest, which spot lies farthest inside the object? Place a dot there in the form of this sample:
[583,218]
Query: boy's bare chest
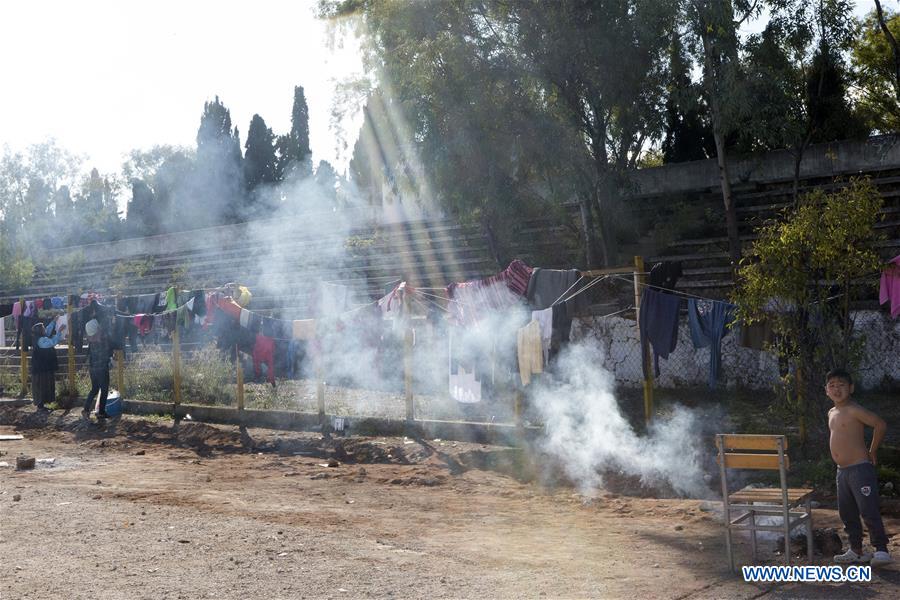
[843,423]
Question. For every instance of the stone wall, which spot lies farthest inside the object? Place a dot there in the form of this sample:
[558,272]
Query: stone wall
[874,154]
[741,367]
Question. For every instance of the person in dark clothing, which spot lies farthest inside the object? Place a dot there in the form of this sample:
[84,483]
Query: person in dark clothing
[44,365]
[99,354]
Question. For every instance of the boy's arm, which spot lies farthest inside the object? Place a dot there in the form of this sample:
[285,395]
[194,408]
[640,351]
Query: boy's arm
[867,417]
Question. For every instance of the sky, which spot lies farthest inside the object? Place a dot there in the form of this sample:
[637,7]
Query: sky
[104,77]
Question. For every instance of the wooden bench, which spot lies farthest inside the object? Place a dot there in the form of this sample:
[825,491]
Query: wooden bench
[761,452]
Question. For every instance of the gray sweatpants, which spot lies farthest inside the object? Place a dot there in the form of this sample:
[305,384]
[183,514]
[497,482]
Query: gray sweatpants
[857,493]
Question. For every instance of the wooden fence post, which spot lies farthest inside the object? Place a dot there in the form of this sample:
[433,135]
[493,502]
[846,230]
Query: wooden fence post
[120,373]
[320,376]
[646,362]
[23,356]
[176,371]
[73,393]
[408,359]
[240,379]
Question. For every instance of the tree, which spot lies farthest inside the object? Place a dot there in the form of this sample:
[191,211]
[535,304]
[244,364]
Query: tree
[259,163]
[217,180]
[326,181]
[796,82]
[142,218]
[715,24]
[803,271]
[875,79]
[294,154]
[688,135]
[513,109]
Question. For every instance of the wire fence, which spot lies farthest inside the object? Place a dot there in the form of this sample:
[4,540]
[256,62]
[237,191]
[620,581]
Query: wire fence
[403,370]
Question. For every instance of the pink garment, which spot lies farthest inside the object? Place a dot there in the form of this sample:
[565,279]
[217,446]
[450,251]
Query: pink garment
[470,300]
[144,323]
[890,286]
[17,312]
[264,352]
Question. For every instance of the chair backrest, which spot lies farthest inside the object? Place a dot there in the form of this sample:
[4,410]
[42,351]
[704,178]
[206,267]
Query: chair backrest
[769,451]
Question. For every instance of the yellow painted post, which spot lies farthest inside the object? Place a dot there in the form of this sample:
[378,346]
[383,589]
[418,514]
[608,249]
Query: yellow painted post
[120,373]
[646,363]
[517,408]
[176,371]
[408,360]
[240,379]
[24,355]
[71,349]
[320,376]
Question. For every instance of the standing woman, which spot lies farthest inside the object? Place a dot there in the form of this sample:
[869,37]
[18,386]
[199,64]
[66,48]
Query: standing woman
[99,353]
[44,365]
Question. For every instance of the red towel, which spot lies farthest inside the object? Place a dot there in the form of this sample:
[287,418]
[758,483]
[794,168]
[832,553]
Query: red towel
[264,352]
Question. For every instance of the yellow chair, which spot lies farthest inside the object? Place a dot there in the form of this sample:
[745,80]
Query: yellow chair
[761,452]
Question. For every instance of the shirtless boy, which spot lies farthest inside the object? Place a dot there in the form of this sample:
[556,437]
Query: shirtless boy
[857,479]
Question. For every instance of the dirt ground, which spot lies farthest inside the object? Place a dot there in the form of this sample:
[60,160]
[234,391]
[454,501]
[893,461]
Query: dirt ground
[143,511]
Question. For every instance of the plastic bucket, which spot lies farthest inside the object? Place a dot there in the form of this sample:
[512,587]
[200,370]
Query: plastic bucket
[114,404]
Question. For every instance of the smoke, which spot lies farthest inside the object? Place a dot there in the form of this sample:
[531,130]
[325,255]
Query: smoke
[587,433]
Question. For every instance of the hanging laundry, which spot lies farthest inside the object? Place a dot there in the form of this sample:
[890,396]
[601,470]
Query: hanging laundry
[199,303]
[58,302]
[62,326]
[889,290]
[331,299]
[6,310]
[144,324]
[243,296]
[708,321]
[264,352]
[658,325]
[303,329]
[664,275]
[30,309]
[392,302]
[545,319]
[464,388]
[530,351]
[2,332]
[17,312]
[39,304]
[546,286]
[229,306]
[245,318]
[471,301]
[171,299]
[296,353]
[276,329]
[146,303]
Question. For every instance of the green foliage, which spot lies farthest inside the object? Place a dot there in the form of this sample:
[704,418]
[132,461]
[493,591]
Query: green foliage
[873,69]
[293,149]
[16,267]
[802,273]
[207,377]
[259,158]
[828,237]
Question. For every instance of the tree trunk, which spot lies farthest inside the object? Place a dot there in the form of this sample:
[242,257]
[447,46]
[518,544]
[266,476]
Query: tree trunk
[895,48]
[601,202]
[734,241]
[492,243]
[590,237]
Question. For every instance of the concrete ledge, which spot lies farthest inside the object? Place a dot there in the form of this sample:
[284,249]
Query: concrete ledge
[15,402]
[483,433]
